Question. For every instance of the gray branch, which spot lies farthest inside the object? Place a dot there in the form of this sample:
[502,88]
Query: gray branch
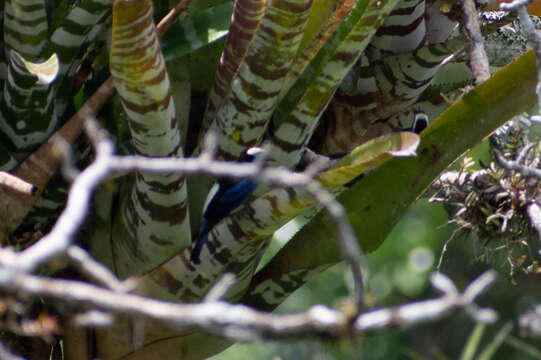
[57,242]
[241,322]
[532,34]
[475,47]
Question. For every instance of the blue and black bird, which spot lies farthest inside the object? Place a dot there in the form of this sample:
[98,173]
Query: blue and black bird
[420,122]
[224,197]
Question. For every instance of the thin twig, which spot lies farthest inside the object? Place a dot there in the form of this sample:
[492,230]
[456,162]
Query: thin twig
[60,238]
[240,322]
[218,290]
[514,165]
[39,167]
[475,48]
[98,272]
[534,37]
[93,318]
[534,214]
[349,245]
[172,16]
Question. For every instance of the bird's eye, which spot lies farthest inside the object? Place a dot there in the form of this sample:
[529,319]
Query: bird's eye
[420,122]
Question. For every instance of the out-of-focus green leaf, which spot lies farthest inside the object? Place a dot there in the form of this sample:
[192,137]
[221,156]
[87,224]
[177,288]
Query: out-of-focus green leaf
[473,342]
[378,201]
[496,342]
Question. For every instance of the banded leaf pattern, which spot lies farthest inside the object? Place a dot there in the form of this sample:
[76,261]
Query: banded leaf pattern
[267,294]
[403,30]
[387,80]
[264,55]
[25,28]
[155,213]
[290,96]
[320,35]
[293,133]
[233,244]
[27,112]
[68,38]
[230,247]
[244,114]
[247,15]
[393,85]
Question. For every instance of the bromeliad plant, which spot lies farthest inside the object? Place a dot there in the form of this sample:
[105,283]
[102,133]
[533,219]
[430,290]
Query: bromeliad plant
[334,77]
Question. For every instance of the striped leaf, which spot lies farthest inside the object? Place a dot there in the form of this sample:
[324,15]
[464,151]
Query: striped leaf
[234,243]
[386,87]
[247,15]
[25,28]
[67,40]
[154,213]
[320,39]
[28,115]
[292,132]
[377,201]
[242,118]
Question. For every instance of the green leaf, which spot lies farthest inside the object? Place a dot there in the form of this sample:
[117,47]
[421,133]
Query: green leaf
[378,200]
[496,342]
[196,31]
[473,342]
[368,156]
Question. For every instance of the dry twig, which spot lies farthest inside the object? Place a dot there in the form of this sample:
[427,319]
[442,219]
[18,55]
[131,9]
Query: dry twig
[39,167]
[475,48]
[240,322]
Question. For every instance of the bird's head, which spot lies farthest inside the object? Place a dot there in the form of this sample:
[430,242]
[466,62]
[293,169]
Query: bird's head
[251,154]
[420,122]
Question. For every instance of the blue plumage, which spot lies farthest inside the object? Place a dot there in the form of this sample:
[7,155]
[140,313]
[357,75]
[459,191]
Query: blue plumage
[227,197]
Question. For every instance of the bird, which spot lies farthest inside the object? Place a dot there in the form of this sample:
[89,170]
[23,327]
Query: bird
[224,197]
[420,122]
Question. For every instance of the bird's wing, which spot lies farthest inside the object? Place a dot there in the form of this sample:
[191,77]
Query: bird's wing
[237,193]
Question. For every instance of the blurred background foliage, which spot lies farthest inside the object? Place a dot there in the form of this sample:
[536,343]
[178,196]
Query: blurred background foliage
[398,273]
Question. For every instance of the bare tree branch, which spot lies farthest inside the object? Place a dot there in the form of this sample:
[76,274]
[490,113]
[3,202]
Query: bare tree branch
[516,166]
[61,236]
[39,167]
[172,16]
[475,48]
[240,322]
[533,36]
[16,184]
[97,271]
[220,288]
[57,242]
